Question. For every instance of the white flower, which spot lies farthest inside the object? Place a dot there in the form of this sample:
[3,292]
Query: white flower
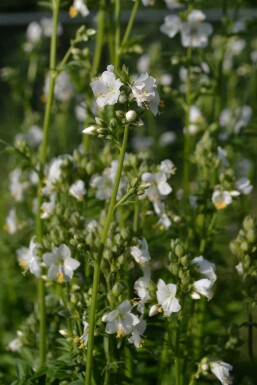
[28,258]
[91,130]
[34,32]
[202,286]
[221,370]
[195,33]
[172,25]
[221,199]
[195,118]
[167,138]
[140,253]
[84,337]
[136,333]
[205,267]
[166,297]
[16,344]
[120,320]
[61,265]
[78,190]
[240,268]
[81,112]
[78,6]
[148,2]
[106,88]
[104,183]
[154,309]
[172,4]
[168,167]
[145,93]
[17,186]
[47,208]
[244,186]
[159,185]
[47,26]
[11,222]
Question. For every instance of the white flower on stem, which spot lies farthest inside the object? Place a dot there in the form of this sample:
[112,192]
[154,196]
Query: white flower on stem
[221,199]
[167,138]
[11,222]
[159,185]
[205,267]
[204,287]
[120,320]
[147,3]
[61,265]
[145,93]
[33,137]
[78,190]
[221,370]
[172,25]
[166,296]
[244,186]
[195,118]
[28,258]
[194,32]
[47,208]
[168,167]
[172,4]
[106,88]
[77,7]
[141,287]
[34,32]
[17,187]
[16,344]
[91,130]
[47,26]
[84,338]
[137,331]
[141,253]
[104,183]
[164,221]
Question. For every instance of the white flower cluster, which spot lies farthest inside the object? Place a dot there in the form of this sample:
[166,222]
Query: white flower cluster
[194,32]
[106,89]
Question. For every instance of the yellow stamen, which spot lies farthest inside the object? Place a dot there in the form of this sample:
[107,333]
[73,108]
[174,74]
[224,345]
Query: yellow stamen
[162,104]
[220,205]
[160,310]
[24,265]
[76,340]
[59,277]
[73,12]
[120,333]
[82,345]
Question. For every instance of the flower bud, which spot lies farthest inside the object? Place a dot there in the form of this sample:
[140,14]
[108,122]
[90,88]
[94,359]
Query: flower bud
[248,223]
[118,288]
[131,116]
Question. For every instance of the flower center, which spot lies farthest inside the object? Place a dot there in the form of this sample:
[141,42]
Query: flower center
[59,277]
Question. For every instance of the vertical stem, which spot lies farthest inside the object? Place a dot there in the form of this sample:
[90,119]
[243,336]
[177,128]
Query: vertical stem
[42,161]
[131,22]
[186,171]
[117,34]
[250,334]
[98,260]
[99,38]
[177,359]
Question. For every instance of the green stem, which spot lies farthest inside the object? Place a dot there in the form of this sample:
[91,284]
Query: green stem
[250,334]
[42,161]
[117,34]
[99,38]
[130,23]
[177,359]
[98,260]
[136,216]
[186,171]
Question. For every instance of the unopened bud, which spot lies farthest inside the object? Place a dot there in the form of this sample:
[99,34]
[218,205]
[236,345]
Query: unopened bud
[131,116]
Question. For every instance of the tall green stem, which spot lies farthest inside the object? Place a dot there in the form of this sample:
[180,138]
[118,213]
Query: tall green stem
[42,161]
[117,34]
[130,23]
[98,260]
[99,38]
[186,171]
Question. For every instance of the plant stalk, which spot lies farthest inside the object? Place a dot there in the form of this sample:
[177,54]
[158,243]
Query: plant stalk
[42,161]
[98,260]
